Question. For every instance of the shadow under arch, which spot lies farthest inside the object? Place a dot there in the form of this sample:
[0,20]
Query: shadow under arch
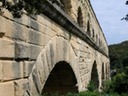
[103,75]
[94,76]
[88,29]
[80,17]
[61,80]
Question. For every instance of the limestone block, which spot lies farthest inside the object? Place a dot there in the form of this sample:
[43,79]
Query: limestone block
[36,79]
[9,27]
[24,20]
[7,48]
[12,70]
[7,14]
[48,57]
[20,32]
[42,28]
[34,24]
[45,64]
[33,89]
[66,48]
[48,31]
[38,38]
[74,44]
[79,41]
[44,20]
[21,87]
[73,16]
[81,59]
[28,65]
[41,19]
[60,49]
[76,52]
[55,27]
[1,71]
[41,68]
[22,50]
[63,33]
[52,53]
[73,37]
[2,24]
[73,60]
[83,54]
[16,31]
[81,48]
[7,89]
[48,22]
[34,51]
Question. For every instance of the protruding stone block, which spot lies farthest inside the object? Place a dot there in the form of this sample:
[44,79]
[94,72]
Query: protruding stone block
[2,24]
[22,50]
[12,70]
[33,89]
[21,87]
[34,51]
[7,48]
[28,65]
[7,89]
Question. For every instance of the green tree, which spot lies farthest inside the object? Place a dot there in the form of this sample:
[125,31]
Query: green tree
[16,7]
[119,55]
[119,60]
[126,17]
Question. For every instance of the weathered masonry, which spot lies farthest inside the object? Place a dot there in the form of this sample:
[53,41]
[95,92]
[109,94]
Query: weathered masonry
[60,50]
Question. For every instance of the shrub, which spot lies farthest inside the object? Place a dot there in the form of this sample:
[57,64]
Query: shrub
[92,86]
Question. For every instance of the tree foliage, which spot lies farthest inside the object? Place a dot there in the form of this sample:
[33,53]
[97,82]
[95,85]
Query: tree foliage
[118,84]
[16,7]
[119,61]
[119,55]
[126,17]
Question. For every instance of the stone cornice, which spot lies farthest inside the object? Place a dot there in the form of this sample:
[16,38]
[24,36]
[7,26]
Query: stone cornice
[55,13]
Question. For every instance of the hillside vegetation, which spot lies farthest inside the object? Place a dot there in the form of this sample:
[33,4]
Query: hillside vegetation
[119,55]
[119,63]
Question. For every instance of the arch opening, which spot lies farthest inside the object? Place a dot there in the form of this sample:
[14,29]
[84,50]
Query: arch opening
[88,29]
[103,77]
[61,80]
[93,34]
[94,77]
[80,17]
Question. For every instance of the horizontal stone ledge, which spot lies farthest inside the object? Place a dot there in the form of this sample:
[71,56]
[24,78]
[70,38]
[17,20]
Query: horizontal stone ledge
[16,59]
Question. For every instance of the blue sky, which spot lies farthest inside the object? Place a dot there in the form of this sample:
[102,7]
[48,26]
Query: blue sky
[109,14]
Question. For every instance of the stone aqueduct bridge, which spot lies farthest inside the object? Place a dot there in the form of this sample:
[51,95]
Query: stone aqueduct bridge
[60,50]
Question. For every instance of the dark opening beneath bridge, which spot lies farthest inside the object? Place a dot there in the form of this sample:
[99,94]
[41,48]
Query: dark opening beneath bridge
[94,77]
[61,80]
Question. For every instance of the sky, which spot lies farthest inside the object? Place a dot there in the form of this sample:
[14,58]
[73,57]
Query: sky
[109,14]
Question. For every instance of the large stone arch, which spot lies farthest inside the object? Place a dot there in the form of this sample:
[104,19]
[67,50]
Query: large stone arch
[57,50]
[103,74]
